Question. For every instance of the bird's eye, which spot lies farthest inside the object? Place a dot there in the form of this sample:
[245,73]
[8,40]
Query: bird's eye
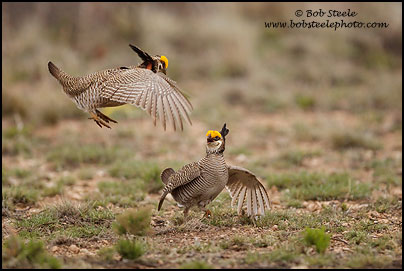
[217,138]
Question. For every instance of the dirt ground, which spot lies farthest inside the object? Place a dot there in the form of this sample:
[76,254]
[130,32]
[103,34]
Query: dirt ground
[225,241]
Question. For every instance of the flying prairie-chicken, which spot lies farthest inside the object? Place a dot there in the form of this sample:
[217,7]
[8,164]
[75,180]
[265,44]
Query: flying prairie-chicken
[199,183]
[145,86]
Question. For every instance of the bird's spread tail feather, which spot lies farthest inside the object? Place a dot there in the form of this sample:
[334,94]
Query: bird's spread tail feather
[166,174]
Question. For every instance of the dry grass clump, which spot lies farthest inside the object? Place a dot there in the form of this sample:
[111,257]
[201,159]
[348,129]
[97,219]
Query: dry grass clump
[134,221]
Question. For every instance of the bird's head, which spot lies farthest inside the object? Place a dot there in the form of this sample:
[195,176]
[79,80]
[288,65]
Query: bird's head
[215,140]
[162,63]
[155,63]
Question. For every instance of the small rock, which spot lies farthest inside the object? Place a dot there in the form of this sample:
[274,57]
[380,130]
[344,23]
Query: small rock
[74,249]
[54,249]
[274,227]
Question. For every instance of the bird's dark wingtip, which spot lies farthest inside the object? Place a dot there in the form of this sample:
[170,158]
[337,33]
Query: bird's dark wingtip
[142,54]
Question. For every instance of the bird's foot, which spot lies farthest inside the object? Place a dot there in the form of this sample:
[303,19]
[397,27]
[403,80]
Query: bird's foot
[99,121]
[104,117]
[208,214]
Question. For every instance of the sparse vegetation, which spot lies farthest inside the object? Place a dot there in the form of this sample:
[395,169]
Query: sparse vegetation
[74,155]
[318,186]
[17,254]
[124,193]
[65,218]
[147,174]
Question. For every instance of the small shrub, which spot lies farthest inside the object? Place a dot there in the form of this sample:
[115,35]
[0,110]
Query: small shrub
[130,249]
[136,222]
[318,238]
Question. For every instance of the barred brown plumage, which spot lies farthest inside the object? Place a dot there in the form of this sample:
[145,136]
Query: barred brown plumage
[199,183]
[145,86]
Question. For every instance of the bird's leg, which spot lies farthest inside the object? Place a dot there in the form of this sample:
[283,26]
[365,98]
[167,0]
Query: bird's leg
[207,212]
[97,120]
[186,212]
[104,117]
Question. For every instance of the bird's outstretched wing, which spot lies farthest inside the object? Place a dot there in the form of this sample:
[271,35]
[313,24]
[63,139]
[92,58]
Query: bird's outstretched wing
[142,54]
[245,189]
[183,176]
[152,92]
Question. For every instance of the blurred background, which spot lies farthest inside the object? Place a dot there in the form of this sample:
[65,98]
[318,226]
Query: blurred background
[220,53]
[282,92]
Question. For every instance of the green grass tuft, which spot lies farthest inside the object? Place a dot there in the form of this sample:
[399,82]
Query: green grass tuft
[318,238]
[130,249]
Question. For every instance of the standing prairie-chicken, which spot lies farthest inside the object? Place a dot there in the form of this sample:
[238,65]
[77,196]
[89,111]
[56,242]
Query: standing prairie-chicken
[145,86]
[199,183]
